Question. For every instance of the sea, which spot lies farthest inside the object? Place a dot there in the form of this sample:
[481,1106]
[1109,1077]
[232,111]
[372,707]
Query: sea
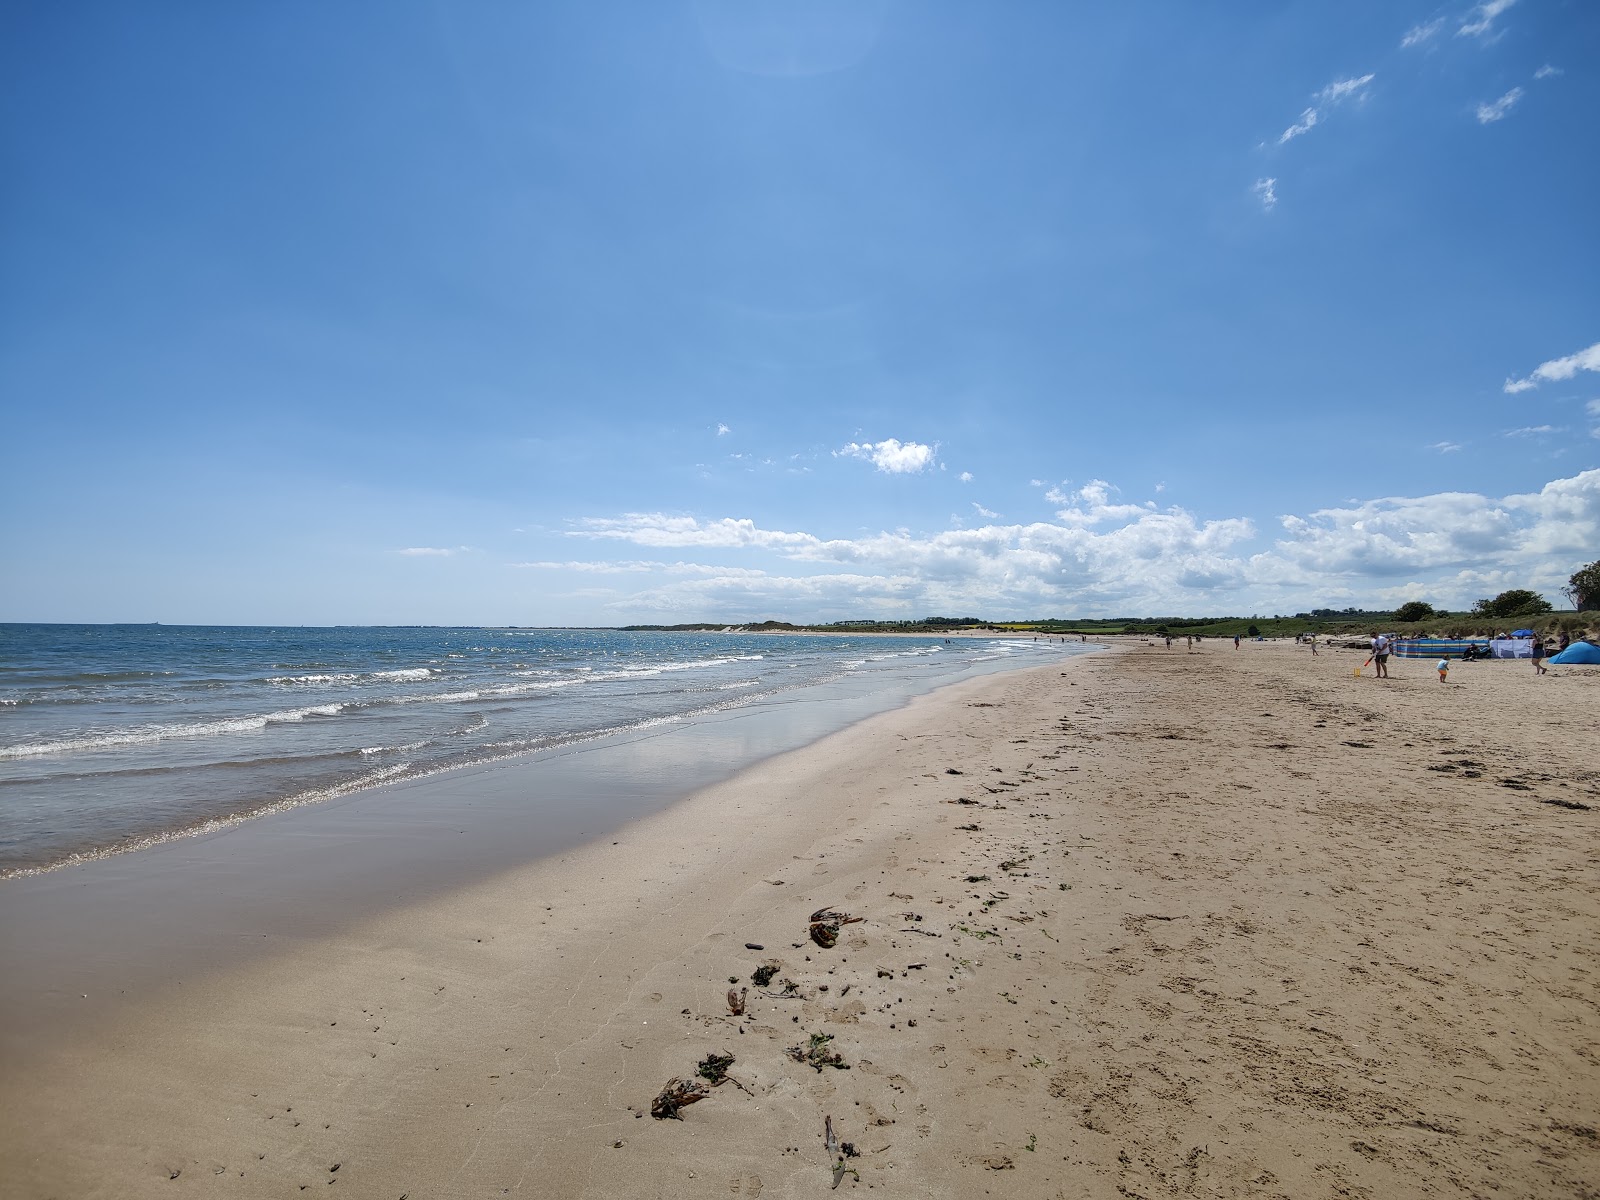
[114,737]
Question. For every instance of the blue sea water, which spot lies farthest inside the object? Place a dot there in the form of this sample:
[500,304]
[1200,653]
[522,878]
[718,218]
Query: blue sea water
[114,736]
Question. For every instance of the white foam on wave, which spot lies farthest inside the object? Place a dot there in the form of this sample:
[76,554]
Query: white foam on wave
[160,733]
[291,680]
[409,675]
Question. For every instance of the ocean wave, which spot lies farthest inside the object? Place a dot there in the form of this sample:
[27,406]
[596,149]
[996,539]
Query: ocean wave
[409,675]
[160,733]
[406,675]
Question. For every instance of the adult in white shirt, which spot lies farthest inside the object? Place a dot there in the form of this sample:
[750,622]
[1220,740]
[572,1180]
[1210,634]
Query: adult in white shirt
[1380,654]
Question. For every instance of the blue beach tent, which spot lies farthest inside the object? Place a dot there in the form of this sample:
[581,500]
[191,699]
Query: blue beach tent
[1522,633]
[1578,652]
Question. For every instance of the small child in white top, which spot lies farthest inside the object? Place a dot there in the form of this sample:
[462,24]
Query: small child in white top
[1444,669]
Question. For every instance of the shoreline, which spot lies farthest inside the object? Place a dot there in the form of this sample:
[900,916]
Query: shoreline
[49,838]
[1219,929]
[238,887]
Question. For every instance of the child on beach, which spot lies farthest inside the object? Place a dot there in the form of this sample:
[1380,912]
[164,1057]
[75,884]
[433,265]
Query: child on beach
[1444,669]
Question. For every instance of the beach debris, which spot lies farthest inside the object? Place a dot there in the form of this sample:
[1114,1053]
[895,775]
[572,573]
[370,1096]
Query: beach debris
[839,1151]
[714,1068]
[815,1053]
[712,1071]
[676,1096]
[763,974]
[969,828]
[977,878]
[754,946]
[825,926]
[736,1001]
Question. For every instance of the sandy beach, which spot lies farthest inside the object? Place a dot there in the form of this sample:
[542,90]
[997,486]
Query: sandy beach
[1150,922]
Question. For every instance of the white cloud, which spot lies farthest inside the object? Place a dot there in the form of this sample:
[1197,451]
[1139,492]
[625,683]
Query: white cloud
[1332,96]
[1445,447]
[1108,559]
[658,529]
[722,429]
[1305,124]
[1530,431]
[1533,533]
[984,512]
[891,455]
[1265,191]
[965,477]
[1419,34]
[1546,71]
[1497,109]
[1481,19]
[428,551]
[1343,89]
[1558,369]
[1593,408]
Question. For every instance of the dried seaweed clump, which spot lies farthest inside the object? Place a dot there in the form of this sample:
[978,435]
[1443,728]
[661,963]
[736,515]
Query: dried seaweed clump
[712,1071]
[825,926]
[678,1094]
[763,974]
[815,1053]
[714,1068]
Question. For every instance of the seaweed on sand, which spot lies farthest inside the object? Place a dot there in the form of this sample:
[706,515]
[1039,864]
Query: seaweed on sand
[825,926]
[815,1053]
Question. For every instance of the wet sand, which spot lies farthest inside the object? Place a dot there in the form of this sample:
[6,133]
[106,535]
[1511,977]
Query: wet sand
[1151,922]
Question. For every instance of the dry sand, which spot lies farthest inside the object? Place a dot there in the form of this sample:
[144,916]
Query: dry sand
[1241,925]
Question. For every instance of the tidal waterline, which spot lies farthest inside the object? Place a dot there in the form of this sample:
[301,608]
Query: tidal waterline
[91,935]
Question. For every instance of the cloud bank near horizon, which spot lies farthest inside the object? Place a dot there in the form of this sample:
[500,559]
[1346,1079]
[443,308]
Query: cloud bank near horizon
[1098,556]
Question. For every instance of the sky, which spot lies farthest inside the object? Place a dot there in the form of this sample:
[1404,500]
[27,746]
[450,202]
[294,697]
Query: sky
[405,312]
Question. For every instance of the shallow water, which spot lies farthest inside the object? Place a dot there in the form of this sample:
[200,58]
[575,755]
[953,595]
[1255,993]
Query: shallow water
[119,736]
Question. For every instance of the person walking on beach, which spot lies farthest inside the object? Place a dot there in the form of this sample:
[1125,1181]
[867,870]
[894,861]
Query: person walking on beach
[1444,670]
[1380,654]
[1236,641]
[1538,657]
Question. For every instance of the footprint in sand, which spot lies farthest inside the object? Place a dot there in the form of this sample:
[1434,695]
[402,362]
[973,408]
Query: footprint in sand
[746,1185]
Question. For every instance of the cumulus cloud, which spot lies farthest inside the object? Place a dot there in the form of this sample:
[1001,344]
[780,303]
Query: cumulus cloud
[1418,34]
[965,477]
[722,429]
[1103,558]
[984,512]
[1533,533]
[1557,370]
[1480,20]
[1266,191]
[1496,110]
[891,455]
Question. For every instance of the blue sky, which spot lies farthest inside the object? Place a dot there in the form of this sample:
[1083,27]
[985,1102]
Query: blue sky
[733,309]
